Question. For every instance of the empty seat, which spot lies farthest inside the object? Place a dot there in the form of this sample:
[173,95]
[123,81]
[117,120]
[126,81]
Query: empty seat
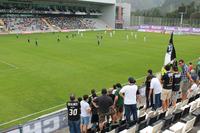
[141,118]
[146,130]
[177,116]
[179,105]
[185,102]
[132,130]
[161,115]
[113,131]
[157,126]
[177,128]
[193,106]
[191,99]
[189,123]
[142,125]
[196,113]
[149,114]
[186,111]
[167,122]
[121,128]
[178,100]
[198,102]
[152,119]
[170,111]
[167,131]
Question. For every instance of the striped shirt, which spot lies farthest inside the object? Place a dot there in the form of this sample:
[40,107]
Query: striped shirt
[184,72]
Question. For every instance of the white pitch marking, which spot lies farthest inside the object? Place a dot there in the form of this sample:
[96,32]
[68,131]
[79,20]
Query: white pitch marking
[11,65]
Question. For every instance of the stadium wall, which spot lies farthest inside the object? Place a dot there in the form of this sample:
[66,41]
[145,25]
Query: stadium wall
[108,15]
[126,14]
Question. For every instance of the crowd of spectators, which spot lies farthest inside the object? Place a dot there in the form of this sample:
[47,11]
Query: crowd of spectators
[122,102]
[21,24]
[65,23]
[30,24]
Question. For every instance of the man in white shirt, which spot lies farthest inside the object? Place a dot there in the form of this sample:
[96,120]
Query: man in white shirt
[130,95]
[156,89]
[85,114]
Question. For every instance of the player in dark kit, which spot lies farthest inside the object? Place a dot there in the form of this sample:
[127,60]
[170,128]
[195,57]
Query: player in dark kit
[98,40]
[73,108]
[36,42]
[17,35]
[29,40]
[58,39]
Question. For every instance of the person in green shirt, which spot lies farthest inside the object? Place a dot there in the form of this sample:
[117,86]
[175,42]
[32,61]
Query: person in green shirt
[118,102]
[198,68]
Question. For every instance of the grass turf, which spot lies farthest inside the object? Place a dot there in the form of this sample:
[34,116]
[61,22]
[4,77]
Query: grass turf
[35,78]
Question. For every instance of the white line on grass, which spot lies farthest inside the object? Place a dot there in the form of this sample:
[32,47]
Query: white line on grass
[21,118]
[11,65]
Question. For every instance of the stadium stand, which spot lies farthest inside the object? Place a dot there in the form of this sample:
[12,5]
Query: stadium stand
[16,24]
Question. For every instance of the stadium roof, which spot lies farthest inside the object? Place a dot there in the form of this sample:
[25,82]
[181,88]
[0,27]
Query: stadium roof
[71,1]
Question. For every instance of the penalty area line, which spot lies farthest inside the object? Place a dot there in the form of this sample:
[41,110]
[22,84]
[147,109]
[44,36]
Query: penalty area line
[9,64]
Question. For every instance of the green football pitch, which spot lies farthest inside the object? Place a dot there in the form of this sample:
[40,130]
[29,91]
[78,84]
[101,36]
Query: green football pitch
[36,78]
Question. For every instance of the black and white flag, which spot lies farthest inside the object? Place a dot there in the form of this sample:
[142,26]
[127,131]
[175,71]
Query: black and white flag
[170,55]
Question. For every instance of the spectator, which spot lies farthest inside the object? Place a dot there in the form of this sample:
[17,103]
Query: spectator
[155,88]
[193,89]
[147,83]
[167,87]
[95,117]
[130,95]
[114,89]
[73,108]
[110,94]
[193,74]
[185,77]
[118,102]
[198,68]
[175,85]
[190,67]
[85,114]
[104,104]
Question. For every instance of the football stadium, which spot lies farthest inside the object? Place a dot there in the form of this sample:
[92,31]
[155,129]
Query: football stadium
[99,66]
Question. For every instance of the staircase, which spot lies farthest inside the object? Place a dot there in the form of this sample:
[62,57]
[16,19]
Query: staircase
[49,25]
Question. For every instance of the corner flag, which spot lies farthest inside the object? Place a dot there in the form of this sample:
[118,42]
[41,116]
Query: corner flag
[171,52]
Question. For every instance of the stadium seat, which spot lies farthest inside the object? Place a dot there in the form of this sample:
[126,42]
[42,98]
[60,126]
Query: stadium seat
[121,128]
[179,105]
[198,102]
[114,126]
[185,102]
[167,131]
[142,125]
[186,110]
[157,126]
[146,130]
[191,99]
[170,111]
[196,113]
[113,131]
[189,123]
[178,100]
[177,115]
[149,114]
[152,119]
[193,106]
[132,130]
[141,118]
[177,128]
[161,115]
[167,122]
[142,112]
